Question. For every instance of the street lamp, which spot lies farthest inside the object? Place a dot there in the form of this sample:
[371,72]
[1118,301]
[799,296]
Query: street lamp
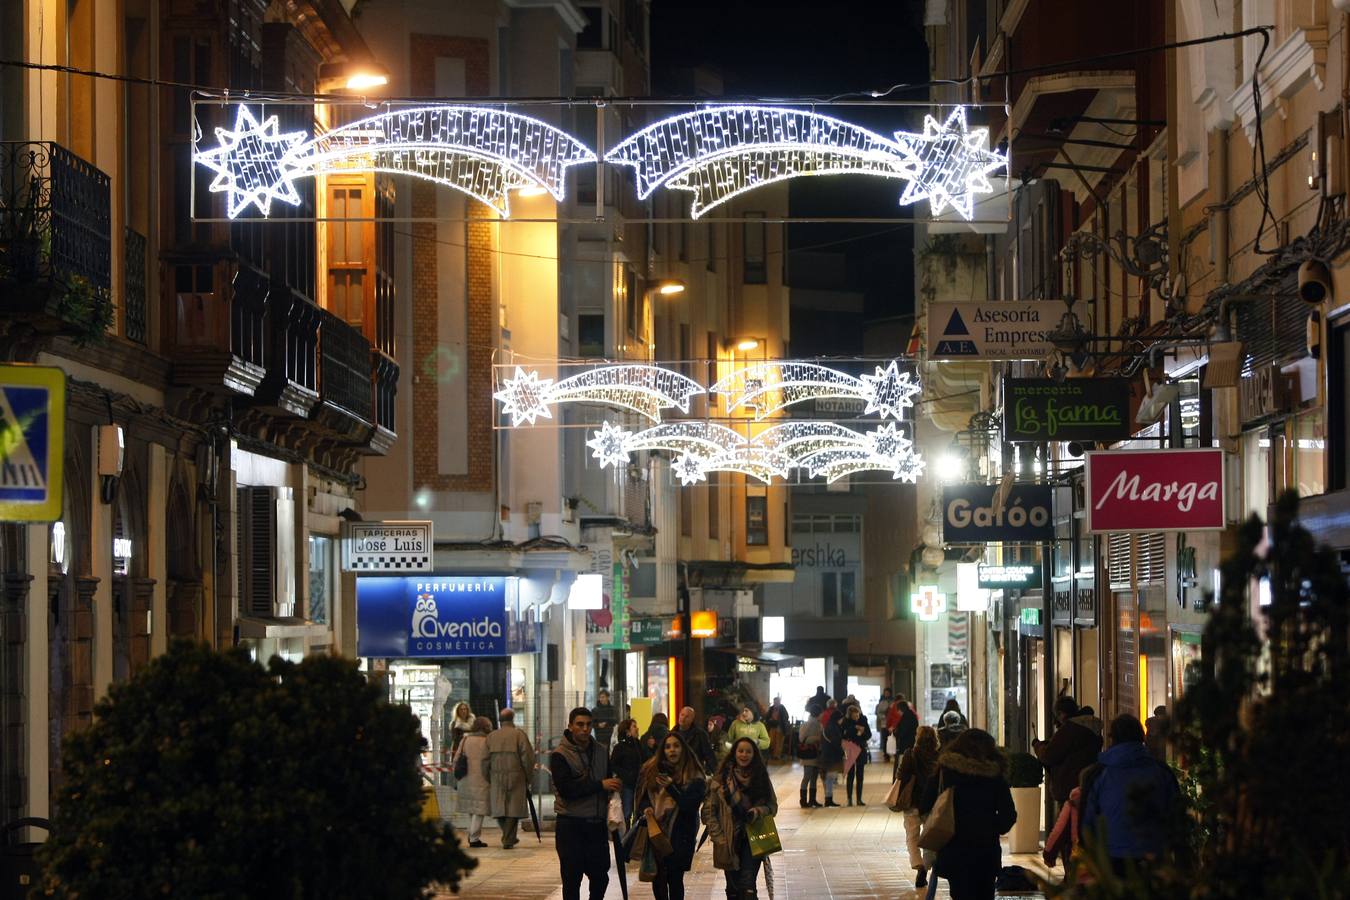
[748,344]
[951,466]
[669,287]
[353,75]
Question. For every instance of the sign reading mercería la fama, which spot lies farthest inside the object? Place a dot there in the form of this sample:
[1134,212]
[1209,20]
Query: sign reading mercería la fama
[387,547]
[32,442]
[1012,330]
[429,616]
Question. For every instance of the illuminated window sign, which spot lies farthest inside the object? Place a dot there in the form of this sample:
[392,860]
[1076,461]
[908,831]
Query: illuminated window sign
[431,616]
[1015,575]
[703,623]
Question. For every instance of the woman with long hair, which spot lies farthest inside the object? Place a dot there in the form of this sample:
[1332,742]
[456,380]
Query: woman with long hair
[741,793]
[855,730]
[473,788]
[461,724]
[670,790]
[918,765]
[625,761]
[975,770]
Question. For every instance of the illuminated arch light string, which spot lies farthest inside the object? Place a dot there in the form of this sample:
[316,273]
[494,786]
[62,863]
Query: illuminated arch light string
[770,386]
[485,153]
[645,390]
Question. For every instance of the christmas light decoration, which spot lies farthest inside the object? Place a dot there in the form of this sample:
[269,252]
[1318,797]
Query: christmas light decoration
[643,389]
[770,386]
[954,164]
[722,151]
[610,445]
[756,462]
[486,153]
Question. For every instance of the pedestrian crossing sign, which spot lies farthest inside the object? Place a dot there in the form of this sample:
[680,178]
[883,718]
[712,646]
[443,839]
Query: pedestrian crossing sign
[32,442]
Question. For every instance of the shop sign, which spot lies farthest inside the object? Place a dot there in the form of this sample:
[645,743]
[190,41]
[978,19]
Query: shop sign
[642,632]
[1155,490]
[1031,615]
[1264,393]
[387,547]
[32,442]
[1078,409]
[618,610]
[1012,575]
[969,516]
[928,603]
[430,616]
[1015,330]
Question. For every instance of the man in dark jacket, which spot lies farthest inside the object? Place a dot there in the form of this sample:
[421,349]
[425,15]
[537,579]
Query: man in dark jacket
[820,698]
[909,724]
[831,758]
[696,739]
[1073,748]
[1129,798]
[606,717]
[581,782]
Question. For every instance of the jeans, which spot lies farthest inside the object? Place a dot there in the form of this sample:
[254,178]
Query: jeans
[857,770]
[741,882]
[828,778]
[583,851]
[626,798]
[668,884]
[810,772]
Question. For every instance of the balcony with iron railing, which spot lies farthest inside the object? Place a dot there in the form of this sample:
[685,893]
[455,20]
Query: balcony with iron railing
[346,393]
[385,377]
[55,239]
[291,386]
[219,331]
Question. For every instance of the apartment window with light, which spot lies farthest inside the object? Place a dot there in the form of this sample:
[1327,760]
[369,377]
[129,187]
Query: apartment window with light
[348,239]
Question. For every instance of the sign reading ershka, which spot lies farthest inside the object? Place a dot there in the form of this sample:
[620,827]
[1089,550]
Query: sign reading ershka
[430,616]
[1078,409]
[1155,490]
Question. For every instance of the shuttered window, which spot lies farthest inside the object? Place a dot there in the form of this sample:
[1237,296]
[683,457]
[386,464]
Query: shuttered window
[1151,559]
[257,551]
[1118,561]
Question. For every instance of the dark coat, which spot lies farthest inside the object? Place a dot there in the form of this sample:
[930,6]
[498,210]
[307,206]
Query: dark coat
[858,732]
[578,774]
[626,759]
[831,757]
[921,771]
[605,717]
[684,833]
[1073,748]
[1132,795]
[696,739]
[652,738]
[984,812]
[905,731]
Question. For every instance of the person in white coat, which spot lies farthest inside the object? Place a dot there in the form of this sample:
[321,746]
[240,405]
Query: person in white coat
[473,787]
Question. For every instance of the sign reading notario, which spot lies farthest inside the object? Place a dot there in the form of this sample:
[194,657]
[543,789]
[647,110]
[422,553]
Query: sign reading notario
[1014,330]
[430,616]
[1155,490]
[969,515]
[1079,409]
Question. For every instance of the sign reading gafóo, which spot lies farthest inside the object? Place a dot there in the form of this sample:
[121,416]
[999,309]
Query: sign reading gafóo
[430,616]
[387,547]
[32,442]
[1014,330]
[969,516]
[1155,490]
[1077,409]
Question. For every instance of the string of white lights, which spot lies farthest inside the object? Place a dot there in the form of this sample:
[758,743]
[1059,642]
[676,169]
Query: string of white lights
[770,386]
[645,390]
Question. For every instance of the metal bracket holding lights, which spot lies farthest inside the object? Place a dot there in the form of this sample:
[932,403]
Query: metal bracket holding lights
[716,153]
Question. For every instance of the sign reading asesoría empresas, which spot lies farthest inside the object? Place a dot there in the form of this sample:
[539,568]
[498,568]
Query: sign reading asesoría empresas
[1078,409]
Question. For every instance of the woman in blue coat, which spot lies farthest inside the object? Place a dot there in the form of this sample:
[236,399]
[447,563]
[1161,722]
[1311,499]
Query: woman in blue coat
[1129,797]
[671,787]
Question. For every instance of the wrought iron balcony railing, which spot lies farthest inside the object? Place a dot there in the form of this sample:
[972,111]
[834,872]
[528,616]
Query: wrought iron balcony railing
[56,233]
[344,368]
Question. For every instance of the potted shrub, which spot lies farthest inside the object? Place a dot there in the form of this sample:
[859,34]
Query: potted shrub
[1025,774]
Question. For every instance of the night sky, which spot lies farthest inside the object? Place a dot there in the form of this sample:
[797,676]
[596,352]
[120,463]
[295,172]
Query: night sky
[817,49]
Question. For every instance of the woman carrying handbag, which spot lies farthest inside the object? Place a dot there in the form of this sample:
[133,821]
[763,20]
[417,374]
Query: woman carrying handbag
[918,766]
[739,815]
[670,792]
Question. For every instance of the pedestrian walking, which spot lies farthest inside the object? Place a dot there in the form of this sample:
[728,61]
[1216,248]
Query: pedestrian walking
[1159,725]
[855,730]
[820,699]
[1072,749]
[951,727]
[656,732]
[831,755]
[918,765]
[1128,798]
[461,725]
[906,724]
[745,726]
[606,717]
[473,787]
[975,770]
[809,738]
[582,784]
[696,739]
[671,789]
[625,761]
[777,722]
[883,711]
[740,795]
[830,710]
[953,706]
[509,765]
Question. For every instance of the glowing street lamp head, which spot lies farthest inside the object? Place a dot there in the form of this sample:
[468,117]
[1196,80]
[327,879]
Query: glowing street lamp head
[951,467]
[747,345]
[670,288]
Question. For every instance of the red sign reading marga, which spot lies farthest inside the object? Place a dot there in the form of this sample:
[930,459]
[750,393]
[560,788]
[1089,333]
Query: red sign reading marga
[1155,490]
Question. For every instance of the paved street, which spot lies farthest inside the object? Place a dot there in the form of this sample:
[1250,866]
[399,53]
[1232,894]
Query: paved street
[827,853]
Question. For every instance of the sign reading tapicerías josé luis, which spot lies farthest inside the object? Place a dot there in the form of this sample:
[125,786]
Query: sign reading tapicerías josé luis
[1077,409]
[32,442]
[1012,330]
[429,616]
[387,546]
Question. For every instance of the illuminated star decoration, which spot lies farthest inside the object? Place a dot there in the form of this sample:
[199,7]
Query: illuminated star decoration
[954,164]
[689,469]
[485,153]
[252,163]
[886,441]
[889,391]
[610,445]
[525,397]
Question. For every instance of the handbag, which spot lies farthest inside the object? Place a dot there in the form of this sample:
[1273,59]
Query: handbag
[763,836]
[901,796]
[461,767]
[647,871]
[808,751]
[940,826]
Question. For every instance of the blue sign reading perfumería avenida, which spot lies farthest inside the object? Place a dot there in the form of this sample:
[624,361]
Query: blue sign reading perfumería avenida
[401,617]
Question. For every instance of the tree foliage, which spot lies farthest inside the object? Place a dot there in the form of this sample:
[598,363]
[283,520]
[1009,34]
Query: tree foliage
[208,776]
[1261,736]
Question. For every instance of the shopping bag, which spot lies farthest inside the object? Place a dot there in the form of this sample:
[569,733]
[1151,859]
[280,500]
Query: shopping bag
[647,872]
[615,814]
[940,826]
[658,840]
[763,836]
[901,796]
[890,745]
